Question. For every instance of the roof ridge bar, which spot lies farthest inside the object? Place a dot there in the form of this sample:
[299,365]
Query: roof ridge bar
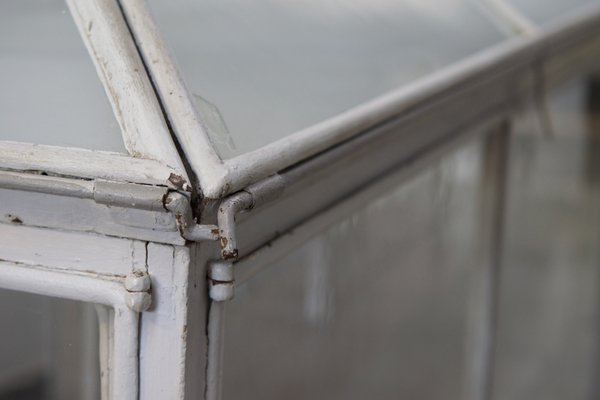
[186,122]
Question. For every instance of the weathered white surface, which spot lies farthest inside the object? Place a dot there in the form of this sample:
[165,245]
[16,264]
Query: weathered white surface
[81,163]
[197,341]
[164,325]
[117,209]
[52,211]
[124,374]
[186,121]
[45,184]
[33,279]
[122,72]
[70,251]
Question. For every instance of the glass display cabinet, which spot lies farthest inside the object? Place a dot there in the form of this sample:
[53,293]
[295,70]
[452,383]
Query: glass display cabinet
[302,200]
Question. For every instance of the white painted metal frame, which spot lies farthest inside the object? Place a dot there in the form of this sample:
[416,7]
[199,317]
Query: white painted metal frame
[145,355]
[89,268]
[218,178]
[86,164]
[397,126]
[123,365]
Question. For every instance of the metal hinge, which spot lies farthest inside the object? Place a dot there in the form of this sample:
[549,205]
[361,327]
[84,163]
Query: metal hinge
[220,280]
[221,272]
[138,285]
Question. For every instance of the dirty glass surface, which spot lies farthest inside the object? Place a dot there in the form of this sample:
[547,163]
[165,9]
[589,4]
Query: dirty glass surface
[549,315]
[274,67]
[544,11]
[48,348]
[386,303]
[375,307]
[50,92]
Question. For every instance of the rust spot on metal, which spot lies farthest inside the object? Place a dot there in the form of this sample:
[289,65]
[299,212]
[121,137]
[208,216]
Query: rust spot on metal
[229,255]
[214,231]
[165,200]
[176,180]
[180,223]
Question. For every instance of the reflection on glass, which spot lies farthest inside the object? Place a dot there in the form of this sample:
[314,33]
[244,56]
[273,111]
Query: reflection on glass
[50,93]
[542,11]
[380,305]
[374,307]
[549,322]
[275,67]
[48,348]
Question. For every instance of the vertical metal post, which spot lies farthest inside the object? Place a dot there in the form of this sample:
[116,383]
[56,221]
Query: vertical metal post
[592,174]
[216,325]
[483,302]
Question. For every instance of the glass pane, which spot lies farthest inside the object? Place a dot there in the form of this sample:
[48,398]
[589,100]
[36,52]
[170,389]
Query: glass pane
[50,93]
[541,11]
[376,307]
[549,321]
[275,67]
[48,348]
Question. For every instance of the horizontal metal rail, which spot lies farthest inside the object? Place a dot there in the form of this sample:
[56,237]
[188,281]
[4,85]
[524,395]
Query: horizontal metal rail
[87,164]
[254,261]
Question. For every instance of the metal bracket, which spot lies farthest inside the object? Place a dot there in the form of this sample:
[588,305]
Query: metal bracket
[138,285]
[220,273]
[247,199]
[188,228]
